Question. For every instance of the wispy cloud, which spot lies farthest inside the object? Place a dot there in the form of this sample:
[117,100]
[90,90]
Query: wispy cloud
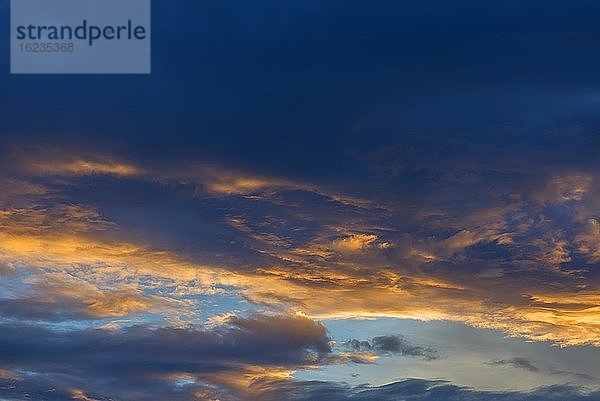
[517,362]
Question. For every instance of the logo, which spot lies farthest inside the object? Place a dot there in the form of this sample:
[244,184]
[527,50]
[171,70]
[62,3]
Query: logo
[80,36]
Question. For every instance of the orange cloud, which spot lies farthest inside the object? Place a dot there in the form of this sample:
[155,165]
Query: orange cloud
[319,292]
[81,396]
[9,375]
[57,162]
[76,240]
[354,243]
[80,167]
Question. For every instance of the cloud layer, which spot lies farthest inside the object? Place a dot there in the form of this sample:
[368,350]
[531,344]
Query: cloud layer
[180,235]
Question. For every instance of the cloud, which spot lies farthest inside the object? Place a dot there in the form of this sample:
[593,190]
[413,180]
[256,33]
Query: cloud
[210,178]
[485,187]
[9,375]
[20,193]
[6,270]
[392,345]
[588,242]
[409,390]
[354,243]
[54,162]
[530,366]
[293,249]
[81,396]
[565,187]
[149,364]
[77,240]
[517,362]
[60,297]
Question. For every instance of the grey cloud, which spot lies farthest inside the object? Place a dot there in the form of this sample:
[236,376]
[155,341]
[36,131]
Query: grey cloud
[531,366]
[576,375]
[33,308]
[6,270]
[393,345]
[517,362]
[135,363]
[414,390]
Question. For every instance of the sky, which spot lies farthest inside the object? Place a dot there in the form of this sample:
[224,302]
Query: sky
[310,200]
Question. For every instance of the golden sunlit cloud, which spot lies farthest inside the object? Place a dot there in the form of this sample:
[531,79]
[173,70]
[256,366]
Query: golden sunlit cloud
[565,187]
[325,295]
[245,382]
[214,179]
[589,241]
[56,162]
[81,396]
[116,275]
[354,243]
[84,167]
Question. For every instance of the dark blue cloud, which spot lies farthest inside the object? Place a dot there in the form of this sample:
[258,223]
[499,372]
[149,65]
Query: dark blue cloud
[140,363]
[320,81]
[416,390]
[459,122]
